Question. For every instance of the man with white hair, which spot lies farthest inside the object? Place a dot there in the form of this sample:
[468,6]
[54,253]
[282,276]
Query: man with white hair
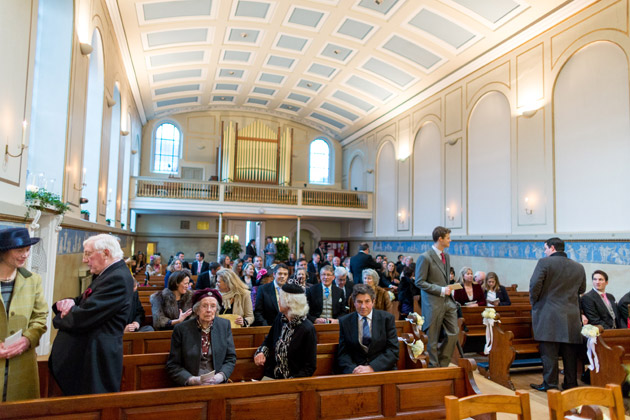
[87,354]
[345,284]
[480,277]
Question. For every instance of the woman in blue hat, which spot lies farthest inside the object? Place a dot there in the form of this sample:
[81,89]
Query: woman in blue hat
[22,308]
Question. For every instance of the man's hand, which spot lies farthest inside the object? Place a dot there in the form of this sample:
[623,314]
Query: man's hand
[134,326]
[16,349]
[320,321]
[447,291]
[584,320]
[363,369]
[239,321]
[260,359]
[64,306]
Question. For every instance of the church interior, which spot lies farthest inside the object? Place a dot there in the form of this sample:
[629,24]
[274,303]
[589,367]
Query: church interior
[181,125]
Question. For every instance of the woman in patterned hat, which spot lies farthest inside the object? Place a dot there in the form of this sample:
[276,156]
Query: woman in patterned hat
[23,294]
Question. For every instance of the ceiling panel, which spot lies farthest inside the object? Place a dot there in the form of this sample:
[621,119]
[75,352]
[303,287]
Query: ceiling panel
[335,65]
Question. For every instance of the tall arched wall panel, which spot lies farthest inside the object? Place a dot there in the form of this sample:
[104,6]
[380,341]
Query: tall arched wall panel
[427,179]
[385,191]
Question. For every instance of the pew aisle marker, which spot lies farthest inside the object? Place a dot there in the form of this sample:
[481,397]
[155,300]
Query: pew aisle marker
[489,316]
[591,332]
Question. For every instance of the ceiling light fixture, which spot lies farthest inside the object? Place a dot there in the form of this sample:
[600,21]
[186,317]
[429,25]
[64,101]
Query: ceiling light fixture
[336,51]
[244,35]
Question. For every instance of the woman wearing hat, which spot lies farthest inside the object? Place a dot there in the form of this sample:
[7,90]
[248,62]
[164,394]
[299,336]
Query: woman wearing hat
[23,294]
[202,349]
[290,348]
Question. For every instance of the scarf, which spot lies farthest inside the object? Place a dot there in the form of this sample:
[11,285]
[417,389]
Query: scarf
[228,297]
[282,346]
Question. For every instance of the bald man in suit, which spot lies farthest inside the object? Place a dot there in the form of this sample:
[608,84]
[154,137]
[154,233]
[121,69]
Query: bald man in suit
[438,307]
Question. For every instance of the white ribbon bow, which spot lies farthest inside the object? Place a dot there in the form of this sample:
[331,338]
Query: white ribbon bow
[592,354]
[489,323]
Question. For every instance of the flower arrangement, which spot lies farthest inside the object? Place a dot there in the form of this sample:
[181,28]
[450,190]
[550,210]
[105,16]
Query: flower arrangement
[41,199]
[489,313]
[415,319]
[590,331]
[417,348]
[391,295]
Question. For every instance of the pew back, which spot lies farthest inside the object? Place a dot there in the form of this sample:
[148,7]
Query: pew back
[474,321]
[613,352]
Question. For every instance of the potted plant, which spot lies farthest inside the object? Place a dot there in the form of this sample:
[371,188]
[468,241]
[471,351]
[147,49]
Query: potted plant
[41,199]
[282,251]
[85,215]
[233,249]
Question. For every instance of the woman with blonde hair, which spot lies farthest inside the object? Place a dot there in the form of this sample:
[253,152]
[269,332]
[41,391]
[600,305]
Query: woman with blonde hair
[471,294]
[496,295]
[154,268]
[236,297]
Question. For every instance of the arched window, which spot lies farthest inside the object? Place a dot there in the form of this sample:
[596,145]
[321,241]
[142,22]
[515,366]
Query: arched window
[319,162]
[166,148]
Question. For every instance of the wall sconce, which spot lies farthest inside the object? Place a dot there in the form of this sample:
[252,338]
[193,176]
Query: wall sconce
[528,211]
[22,146]
[452,142]
[110,101]
[528,113]
[370,171]
[83,184]
[530,108]
[86,49]
[449,216]
[230,238]
[124,132]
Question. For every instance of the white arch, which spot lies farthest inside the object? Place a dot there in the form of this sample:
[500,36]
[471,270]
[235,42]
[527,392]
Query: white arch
[111,211]
[385,191]
[427,179]
[357,173]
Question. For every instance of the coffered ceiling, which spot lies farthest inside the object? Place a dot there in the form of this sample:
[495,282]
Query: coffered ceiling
[336,65]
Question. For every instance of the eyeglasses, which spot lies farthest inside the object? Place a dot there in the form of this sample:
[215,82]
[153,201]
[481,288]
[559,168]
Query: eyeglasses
[88,254]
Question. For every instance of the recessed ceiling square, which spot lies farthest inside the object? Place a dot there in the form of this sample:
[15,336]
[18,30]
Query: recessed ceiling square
[240,56]
[226,86]
[176,58]
[327,120]
[271,78]
[178,101]
[290,107]
[368,87]
[353,100]
[291,42]
[257,101]
[179,74]
[411,51]
[180,36]
[174,9]
[384,7]
[249,36]
[442,28]
[307,84]
[321,70]
[336,52]
[252,9]
[277,61]
[298,97]
[223,98]
[492,10]
[355,29]
[174,89]
[387,71]
[306,17]
[233,73]
[264,91]
[339,111]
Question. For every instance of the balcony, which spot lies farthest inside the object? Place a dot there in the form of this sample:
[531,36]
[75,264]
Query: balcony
[236,198]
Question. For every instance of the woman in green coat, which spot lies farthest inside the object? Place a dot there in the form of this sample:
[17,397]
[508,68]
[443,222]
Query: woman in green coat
[24,308]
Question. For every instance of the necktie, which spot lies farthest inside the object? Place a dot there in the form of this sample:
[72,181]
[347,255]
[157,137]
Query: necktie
[605,299]
[367,339]
[443,258]
[326,292]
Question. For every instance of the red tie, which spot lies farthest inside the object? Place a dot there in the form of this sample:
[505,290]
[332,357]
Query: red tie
[443,258]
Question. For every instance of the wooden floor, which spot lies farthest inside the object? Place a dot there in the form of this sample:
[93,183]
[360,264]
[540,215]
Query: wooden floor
[522,380]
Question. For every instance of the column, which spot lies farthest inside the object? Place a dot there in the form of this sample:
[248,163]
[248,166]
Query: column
[297,238]
[220,236]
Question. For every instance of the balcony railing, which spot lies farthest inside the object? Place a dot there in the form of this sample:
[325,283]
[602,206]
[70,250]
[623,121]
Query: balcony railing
[146,187]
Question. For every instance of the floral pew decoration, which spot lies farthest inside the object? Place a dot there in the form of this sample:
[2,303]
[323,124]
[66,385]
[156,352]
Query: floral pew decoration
[414,343]
[591,332]
[489,316]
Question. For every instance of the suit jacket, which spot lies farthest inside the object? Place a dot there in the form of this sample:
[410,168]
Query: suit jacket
[266,305]
[382,354]
[622,308]
[194,268]
[206,280]
[185,265]
[348,294]
[502,295]
[87,354]
[360,262]
[315,298]
[185,356]
[554,292]
[136,314]
[431,275]
[595,310]
[28,313]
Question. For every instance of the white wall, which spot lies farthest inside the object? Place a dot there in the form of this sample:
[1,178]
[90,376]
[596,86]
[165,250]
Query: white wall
[427,179]
[386,191]
[592,141]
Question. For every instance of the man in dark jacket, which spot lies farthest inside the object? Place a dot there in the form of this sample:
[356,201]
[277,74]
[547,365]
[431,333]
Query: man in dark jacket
[87,354]
[267,308]
[361,261]
[598,306]
[136,314]
[325,300]
[554,292]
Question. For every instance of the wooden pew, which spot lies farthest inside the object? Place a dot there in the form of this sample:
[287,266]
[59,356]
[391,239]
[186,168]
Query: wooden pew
[160,341]
[513,346]
[409,394]
[613,352]
[474,321]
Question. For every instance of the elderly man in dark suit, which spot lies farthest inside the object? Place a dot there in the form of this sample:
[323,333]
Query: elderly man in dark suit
[87,355]
[554,292]
[345,284]
[438,307]
[325,300]
[367,339]
[600,307]
[361,261]
[267,308]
